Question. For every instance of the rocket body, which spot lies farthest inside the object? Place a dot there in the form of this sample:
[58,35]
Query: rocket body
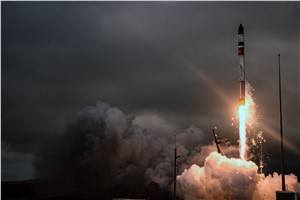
[241,64]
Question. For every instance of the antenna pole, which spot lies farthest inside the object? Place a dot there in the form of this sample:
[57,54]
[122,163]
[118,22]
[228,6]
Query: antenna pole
[281,132]
[175,167]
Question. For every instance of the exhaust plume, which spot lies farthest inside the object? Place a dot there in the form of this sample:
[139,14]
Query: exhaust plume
[230,178]
[102,150]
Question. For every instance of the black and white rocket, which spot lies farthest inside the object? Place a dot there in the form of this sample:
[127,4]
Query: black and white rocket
[242,64]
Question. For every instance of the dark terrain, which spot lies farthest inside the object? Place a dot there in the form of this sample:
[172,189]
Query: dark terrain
[49,189]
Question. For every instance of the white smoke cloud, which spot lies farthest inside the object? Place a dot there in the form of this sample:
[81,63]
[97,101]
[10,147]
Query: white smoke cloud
[267,186]
[230,178]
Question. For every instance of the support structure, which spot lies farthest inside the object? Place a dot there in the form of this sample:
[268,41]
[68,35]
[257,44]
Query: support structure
[281,132]
[218,140]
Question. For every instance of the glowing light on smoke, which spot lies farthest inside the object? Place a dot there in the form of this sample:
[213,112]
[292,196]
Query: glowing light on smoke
[223,178]
[242,131]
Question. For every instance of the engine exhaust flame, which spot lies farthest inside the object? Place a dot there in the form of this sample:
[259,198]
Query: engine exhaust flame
[242,131]
[247,120]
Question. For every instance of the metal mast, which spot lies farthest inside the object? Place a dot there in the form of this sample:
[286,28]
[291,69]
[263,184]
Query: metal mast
[281,132]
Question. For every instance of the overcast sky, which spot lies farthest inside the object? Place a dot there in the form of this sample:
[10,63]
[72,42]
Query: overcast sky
[171,64]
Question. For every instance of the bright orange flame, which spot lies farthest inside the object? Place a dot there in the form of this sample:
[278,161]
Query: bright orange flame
[242,130]
[246,115]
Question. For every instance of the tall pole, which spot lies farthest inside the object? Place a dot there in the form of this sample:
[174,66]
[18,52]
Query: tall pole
[175,166]
[281,132]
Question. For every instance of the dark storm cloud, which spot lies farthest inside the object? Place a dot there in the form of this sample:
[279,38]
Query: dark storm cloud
[58,57]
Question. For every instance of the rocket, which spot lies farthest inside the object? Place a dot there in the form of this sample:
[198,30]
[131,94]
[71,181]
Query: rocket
[242,64]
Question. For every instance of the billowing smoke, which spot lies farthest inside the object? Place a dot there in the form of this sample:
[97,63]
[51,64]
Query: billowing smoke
[102,150]
[230,178]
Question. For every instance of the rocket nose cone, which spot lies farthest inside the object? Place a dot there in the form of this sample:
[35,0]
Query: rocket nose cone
[241,29]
